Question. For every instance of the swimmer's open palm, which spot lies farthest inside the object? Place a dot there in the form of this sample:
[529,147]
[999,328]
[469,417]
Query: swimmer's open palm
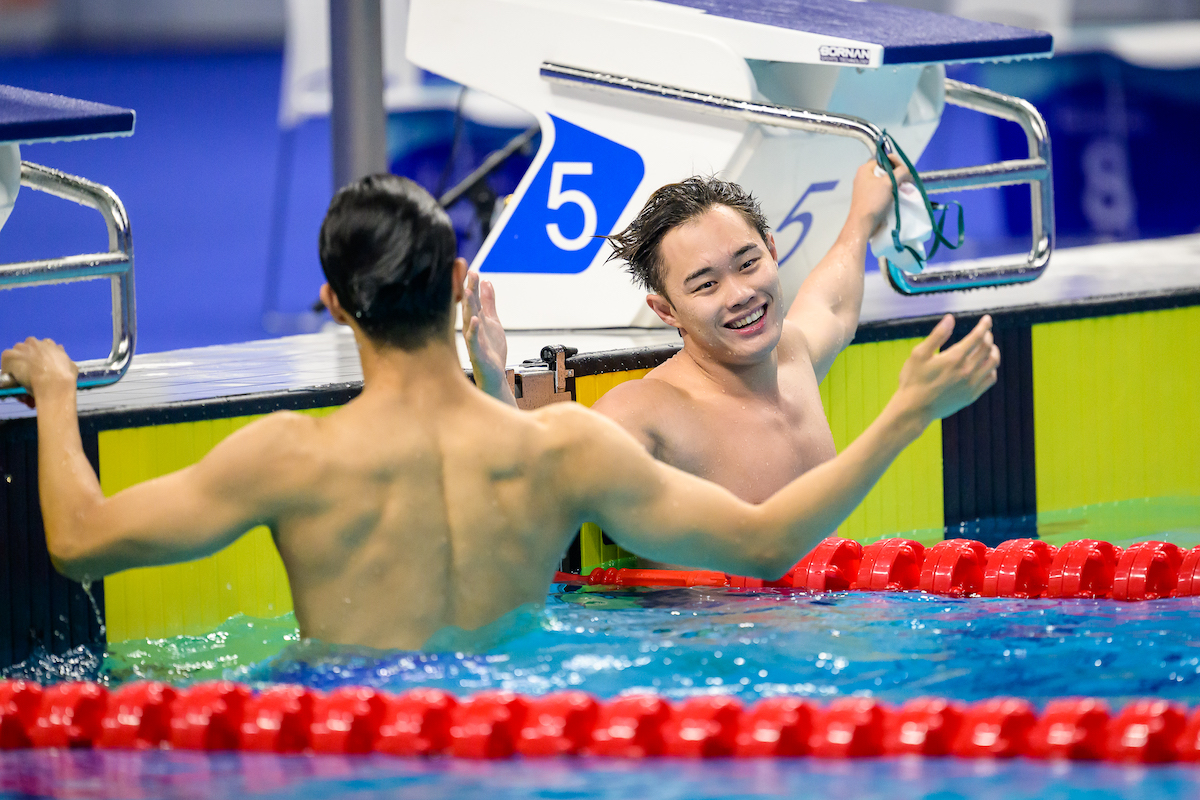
[39,365]
[936,383]
[484,335]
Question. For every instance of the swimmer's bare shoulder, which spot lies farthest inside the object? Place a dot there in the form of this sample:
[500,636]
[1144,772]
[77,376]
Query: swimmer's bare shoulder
[792,342]
[270,468]
[644,406]
[578,443]
[274,457]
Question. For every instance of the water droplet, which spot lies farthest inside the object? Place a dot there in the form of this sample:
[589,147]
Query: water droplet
[86,583]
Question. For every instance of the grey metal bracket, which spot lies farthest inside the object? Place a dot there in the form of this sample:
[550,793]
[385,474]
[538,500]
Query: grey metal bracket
[541,381]
[116,265]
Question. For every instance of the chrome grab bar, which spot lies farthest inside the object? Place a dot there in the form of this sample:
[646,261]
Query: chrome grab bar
[744,110]
[1034,170]
[116,265]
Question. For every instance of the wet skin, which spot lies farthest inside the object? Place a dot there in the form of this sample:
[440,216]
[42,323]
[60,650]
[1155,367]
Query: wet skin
[738,405]
[425,504]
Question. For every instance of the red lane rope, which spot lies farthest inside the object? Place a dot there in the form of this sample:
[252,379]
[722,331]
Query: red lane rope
[1025,568]
[495,724]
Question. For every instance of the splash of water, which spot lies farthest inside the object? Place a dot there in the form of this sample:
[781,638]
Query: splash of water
[86,583]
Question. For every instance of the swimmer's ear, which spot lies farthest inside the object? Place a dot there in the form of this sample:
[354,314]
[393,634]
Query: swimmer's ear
[330,299]
[771,247]
[458,279]
[662,306]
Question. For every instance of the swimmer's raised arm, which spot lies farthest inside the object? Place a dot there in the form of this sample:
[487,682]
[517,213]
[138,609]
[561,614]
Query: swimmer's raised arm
[487,345]
[247,479]
[829,301]
[667,515]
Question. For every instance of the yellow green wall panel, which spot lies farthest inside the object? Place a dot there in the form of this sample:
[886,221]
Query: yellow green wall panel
[909,495]
[1117,408]
[591,388]
[593,552]
[195,597]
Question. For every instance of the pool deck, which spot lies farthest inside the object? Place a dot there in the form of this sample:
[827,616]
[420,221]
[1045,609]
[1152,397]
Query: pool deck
[1161,272]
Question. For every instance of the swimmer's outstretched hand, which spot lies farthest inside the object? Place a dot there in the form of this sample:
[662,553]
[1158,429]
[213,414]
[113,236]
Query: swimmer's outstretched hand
[484,335]
[936,383]
[41,366]
[873,193]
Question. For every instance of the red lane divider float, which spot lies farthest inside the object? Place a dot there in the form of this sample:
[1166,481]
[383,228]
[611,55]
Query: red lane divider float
[1026,568]
[494,724]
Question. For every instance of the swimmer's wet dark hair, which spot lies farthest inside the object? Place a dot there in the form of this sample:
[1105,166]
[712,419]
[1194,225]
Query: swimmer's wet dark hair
[670,207]
[387,250]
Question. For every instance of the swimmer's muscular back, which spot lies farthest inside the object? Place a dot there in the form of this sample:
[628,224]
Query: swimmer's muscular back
[751,443]
[433,512]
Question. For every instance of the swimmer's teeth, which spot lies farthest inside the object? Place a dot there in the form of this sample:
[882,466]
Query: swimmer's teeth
[750,320]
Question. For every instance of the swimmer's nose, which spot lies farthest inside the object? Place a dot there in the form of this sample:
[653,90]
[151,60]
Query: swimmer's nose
[740,293]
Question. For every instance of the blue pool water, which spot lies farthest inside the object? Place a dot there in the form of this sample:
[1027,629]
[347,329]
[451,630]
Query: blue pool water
[681,642]
[99,774]
[893,646]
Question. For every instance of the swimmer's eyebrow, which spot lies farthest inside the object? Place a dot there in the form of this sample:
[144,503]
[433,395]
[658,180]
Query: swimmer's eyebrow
[740,252]
[744,249]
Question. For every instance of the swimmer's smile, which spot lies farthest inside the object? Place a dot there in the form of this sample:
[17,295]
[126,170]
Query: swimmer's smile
[750,323]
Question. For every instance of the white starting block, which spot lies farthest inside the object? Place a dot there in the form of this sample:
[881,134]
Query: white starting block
[26,117]
[786,97]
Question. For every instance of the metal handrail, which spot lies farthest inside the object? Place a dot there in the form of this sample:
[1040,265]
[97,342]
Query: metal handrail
[744,110]
[1034,170]
[116,264]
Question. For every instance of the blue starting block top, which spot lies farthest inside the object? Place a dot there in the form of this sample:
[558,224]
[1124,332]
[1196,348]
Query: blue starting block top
[907,35]
[27,116]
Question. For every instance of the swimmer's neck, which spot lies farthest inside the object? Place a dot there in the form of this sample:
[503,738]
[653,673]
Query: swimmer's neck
[759,379]
[395,369]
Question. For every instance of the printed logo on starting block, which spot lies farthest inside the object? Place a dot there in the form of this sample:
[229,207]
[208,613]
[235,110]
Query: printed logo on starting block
[578,194]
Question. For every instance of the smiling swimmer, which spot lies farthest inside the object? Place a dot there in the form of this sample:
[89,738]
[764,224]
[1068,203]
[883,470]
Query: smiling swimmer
[739,404]
[424,504]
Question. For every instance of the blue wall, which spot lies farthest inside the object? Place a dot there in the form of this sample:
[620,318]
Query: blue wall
[197,179]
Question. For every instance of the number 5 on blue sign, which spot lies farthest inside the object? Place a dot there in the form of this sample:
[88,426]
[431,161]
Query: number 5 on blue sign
[558,198]
[579,191]
[804,218]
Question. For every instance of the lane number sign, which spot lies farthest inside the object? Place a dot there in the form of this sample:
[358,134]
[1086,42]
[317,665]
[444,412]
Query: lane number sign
[802,218]
[577,196]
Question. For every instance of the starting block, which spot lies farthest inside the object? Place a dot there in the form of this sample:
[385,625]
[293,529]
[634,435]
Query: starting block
[786,97]
[27,117]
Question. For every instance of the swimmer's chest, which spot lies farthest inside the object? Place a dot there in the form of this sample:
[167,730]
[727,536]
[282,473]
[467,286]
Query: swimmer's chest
[753,448]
